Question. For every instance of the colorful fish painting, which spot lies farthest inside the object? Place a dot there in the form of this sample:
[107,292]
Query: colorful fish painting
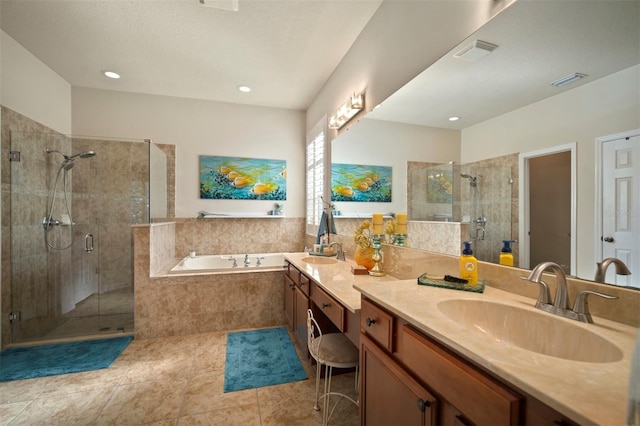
[356,182]
[237,178]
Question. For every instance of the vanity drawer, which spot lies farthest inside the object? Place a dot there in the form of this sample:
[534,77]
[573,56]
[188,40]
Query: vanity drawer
[329,306]
[481,398]
[377,323]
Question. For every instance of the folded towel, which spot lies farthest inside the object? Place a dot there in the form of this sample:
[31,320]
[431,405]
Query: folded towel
[633,412]
[327,225]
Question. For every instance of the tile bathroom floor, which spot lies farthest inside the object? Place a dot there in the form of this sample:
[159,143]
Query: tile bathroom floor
[167,381]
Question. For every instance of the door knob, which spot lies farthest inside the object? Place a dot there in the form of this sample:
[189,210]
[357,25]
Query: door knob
[608,239]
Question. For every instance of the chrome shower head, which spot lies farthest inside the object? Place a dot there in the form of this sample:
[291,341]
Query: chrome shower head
[472,179]
[85,154]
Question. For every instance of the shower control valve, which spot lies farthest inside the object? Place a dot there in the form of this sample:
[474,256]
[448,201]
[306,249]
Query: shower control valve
[48,223]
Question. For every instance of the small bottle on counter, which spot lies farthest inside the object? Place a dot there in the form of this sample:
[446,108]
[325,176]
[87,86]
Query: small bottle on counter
[468,264]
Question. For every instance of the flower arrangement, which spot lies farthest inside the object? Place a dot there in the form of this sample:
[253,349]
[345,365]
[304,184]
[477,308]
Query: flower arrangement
[362,235]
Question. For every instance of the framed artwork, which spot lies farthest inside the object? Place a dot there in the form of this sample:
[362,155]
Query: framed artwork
[356,182]
[237,178]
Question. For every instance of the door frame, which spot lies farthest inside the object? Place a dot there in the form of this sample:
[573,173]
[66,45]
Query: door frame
[600,141]
[524,202]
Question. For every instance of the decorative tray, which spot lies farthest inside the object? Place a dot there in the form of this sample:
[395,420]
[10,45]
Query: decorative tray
[435,281]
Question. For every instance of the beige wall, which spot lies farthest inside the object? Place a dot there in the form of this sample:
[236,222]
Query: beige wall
[32,89]
[198,127]
[400,41]
[383,143]
[607,106]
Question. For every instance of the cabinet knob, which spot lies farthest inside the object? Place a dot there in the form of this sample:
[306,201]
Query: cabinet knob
[325,305]
[422,404]
[370,322]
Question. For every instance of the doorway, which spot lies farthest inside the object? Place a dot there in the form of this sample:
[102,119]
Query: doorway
[548,228]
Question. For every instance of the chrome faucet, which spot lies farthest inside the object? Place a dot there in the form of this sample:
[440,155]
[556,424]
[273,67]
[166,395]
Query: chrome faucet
[601,269]
[560,306]
[247,262]
[340,252]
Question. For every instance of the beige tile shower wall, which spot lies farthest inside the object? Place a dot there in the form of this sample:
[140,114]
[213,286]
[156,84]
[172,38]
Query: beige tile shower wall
[171,306]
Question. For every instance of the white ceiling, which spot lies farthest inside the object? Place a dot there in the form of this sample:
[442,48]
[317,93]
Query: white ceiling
[284,50]
[287,49]
[538,43]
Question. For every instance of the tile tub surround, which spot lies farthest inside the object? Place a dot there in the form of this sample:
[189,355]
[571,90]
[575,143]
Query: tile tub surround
[172,305]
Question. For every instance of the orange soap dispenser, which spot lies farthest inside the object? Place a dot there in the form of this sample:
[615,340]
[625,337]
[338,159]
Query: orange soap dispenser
[468,265]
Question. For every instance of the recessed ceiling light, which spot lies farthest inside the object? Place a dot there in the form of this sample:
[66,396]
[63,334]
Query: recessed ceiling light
[244,89]
[454,118]
[111,74]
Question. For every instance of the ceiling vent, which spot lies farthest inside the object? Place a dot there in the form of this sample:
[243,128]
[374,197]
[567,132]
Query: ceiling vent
[475,51]
[568,79]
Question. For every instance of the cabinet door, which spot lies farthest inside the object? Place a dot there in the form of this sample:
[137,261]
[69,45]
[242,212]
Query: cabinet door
[301,305]
[389,396]
[289,297]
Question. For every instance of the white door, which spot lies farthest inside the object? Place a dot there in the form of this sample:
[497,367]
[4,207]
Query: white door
[621,207]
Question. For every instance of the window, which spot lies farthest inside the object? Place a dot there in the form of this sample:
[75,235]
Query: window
[315,175]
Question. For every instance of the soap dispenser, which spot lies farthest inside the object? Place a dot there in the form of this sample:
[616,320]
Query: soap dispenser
[506,254]
[468,265]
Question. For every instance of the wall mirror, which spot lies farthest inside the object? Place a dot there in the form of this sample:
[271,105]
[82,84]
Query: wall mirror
[537,44]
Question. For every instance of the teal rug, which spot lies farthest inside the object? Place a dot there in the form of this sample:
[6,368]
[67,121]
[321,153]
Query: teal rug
[260,358]
[60,358]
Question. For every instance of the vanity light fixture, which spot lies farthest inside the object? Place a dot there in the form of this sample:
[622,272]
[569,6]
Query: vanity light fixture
[475,51]
[347,111]
[568,79]
[111,74]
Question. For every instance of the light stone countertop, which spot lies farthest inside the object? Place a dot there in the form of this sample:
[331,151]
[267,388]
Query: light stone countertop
[587,393]
[336,278]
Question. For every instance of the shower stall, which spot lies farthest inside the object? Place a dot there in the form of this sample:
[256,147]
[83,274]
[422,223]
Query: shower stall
[72,203]
[486,202]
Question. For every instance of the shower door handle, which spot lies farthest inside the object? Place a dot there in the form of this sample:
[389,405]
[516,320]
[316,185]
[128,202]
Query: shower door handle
[88,243]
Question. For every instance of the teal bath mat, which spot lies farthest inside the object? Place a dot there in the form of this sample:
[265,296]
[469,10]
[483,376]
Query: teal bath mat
[260,358]
[60,358]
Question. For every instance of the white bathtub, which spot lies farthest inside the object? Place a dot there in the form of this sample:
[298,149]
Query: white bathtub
[230,263]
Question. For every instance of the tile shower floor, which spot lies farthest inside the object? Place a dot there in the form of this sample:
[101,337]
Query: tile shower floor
[167,381]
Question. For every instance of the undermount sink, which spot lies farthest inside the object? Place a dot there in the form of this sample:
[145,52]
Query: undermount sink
[537,332]
[319,260]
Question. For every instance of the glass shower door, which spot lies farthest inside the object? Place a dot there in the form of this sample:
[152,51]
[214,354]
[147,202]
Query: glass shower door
[73,201]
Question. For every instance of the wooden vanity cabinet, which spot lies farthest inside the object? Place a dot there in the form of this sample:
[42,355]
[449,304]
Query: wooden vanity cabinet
[456,393]
[390,395]
[296,302]
[396,356]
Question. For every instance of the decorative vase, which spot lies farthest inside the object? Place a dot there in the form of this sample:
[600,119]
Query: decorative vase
[364,257]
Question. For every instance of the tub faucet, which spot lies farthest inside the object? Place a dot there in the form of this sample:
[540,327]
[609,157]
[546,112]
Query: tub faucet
[247,262]
[560,306]
[601,269]
[235,261]
[340,252]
